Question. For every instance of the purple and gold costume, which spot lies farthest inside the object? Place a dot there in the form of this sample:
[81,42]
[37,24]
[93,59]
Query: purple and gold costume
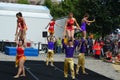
[83,26]
[81,57]
[50,53]
[69,51]
[83,46]
[51,45]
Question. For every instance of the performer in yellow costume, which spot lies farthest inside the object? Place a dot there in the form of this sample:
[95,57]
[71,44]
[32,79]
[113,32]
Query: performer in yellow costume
[69,51]
[81,57]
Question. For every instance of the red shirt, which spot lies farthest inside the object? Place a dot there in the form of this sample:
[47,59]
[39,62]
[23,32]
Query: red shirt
[20,51]
[52,23]
[21,23]
[98,52]
[109,55]
[118,56]
[97,48]
[70,24]
[101,44]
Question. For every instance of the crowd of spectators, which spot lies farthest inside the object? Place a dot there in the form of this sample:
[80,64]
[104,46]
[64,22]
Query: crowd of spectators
[100,48]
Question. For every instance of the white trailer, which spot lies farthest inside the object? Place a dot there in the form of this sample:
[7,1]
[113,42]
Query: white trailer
[36,18]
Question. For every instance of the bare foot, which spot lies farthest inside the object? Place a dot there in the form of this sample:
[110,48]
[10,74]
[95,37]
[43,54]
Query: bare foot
[52,64]
[17,76]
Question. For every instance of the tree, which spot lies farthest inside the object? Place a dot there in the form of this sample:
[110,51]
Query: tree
[23,2]
[106,13]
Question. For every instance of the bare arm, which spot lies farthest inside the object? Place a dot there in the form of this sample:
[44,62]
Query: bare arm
[25,26]
[17,28]
[48,39]
[87,21]
[46,26]
[65,28]
[58,25]
[78,27]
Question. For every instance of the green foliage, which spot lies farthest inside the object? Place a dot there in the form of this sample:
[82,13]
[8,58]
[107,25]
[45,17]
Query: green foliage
[106,13]
[23,2]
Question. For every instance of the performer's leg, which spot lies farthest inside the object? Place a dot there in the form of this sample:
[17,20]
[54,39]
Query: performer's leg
[71,62]
[78,65]
[23,71]
[84,34]
[69,34]
[17,36]
[65,68]
[21,65]
[52,58]
[83,63]
[48,57]
[72,34]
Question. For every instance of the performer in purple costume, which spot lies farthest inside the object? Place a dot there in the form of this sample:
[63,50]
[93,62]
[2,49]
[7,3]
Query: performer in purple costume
[51,40]
[69,51]
[83,24]
[81,57]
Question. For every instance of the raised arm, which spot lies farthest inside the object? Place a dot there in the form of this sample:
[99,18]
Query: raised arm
[76,42]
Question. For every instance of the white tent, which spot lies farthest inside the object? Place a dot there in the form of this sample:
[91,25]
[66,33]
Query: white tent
[36,18]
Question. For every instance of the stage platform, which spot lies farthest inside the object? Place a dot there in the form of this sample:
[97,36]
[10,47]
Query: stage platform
[37,70]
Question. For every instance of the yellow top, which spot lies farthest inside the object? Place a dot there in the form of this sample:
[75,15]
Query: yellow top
[66,40]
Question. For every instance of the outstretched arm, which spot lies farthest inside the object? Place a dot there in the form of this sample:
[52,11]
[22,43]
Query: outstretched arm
[58,25]
[46,26]
[87,21]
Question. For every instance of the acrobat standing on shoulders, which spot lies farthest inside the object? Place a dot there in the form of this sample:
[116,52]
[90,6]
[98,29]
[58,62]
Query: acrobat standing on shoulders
[84,22]
[51,26]
[21,27]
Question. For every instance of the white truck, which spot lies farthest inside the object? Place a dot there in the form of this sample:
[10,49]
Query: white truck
[36,18]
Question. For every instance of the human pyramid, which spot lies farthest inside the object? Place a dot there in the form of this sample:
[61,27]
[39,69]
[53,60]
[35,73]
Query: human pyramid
[69,44]
[68,41]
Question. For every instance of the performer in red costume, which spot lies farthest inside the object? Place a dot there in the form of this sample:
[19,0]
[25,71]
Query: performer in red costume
[21,27]
[69,26]
[20,59]
[51,25]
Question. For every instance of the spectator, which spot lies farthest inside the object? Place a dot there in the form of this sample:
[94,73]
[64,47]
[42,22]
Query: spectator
[117,59]
[108,56]
[66,42]
[59,45]
[102,45]
[89,45]
[108,45]
[97,49]
[115,47]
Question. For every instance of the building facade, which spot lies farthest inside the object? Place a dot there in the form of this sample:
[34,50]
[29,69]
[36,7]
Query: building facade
[35,2]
